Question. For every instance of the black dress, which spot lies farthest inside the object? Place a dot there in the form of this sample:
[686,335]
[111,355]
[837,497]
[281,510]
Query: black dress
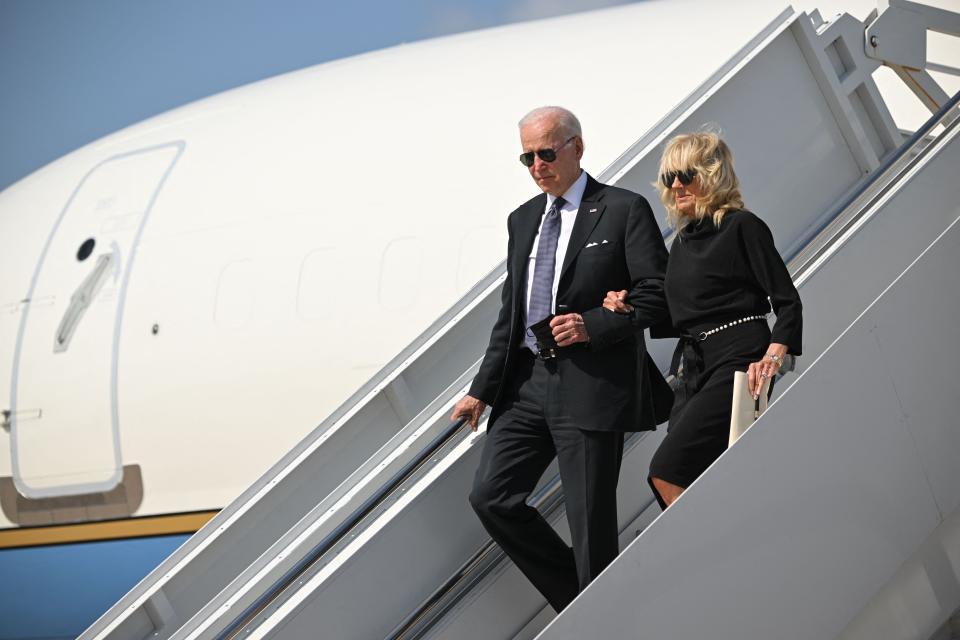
[716,276]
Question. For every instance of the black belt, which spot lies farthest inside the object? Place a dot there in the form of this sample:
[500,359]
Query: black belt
[548,354]
[687,364]
[559,353]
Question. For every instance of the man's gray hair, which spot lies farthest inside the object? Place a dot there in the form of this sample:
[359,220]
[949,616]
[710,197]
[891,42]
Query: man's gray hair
[566,121]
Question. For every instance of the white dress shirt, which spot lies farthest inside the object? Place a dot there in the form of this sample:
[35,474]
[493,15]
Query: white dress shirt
[568,214]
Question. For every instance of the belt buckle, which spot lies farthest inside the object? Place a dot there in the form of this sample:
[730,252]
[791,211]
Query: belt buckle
[547,354]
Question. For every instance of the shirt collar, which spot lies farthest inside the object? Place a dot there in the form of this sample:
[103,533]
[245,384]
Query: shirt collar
[574,194]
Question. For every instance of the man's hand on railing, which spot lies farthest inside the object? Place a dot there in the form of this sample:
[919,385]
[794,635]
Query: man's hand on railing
[470,408]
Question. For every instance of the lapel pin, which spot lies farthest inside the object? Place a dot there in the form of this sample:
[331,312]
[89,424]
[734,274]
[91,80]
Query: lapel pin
[593,210]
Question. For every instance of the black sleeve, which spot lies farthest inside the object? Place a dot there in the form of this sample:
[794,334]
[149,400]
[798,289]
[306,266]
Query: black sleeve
[665,329]
[773,278]
[489,377]
[646,258]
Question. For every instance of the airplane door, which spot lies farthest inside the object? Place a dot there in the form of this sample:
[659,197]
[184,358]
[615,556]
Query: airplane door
[65,430]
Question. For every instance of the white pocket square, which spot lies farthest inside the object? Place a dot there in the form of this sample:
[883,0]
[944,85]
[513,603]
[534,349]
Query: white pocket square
[591,244]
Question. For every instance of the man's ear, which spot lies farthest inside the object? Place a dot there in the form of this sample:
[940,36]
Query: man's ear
[579,144]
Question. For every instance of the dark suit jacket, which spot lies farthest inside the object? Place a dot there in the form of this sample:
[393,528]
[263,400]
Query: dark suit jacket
[609,383]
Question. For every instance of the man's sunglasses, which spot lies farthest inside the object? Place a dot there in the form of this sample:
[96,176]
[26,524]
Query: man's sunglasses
[685,177]
[547,155]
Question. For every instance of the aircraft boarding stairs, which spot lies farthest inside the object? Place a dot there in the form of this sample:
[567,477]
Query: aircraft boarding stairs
[363,530]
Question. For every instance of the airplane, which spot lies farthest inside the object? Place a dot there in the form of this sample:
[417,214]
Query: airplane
[185,300]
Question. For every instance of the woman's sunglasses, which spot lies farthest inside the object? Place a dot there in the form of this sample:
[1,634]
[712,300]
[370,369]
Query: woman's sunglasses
[685,177]
[547,155]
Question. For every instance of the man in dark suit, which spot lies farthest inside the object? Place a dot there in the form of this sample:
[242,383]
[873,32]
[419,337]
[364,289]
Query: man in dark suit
[567,248]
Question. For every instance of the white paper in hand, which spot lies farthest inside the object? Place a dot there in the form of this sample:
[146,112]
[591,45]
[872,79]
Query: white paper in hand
[745,408]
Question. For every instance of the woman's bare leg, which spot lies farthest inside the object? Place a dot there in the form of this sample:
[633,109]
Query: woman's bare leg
[668,492]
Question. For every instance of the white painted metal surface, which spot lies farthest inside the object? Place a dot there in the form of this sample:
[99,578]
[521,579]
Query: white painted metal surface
[915,603]
[898,37]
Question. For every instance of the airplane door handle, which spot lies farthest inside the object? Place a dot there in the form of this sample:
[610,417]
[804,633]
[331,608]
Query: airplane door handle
[80,301]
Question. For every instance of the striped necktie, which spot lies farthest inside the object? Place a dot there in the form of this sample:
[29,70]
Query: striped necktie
[541,291]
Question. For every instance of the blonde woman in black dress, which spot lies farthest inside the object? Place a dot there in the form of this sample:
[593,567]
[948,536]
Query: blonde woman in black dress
[723,276]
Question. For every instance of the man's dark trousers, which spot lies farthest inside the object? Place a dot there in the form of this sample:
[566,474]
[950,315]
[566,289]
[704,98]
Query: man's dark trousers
[530,432]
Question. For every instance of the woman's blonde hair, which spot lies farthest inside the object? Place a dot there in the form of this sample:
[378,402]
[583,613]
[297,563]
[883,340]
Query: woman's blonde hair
[710,157]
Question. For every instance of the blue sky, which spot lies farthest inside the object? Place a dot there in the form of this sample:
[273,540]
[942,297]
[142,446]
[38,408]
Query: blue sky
[72,71]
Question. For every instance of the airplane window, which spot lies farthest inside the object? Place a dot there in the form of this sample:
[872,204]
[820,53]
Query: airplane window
[401,272]
[86,249]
